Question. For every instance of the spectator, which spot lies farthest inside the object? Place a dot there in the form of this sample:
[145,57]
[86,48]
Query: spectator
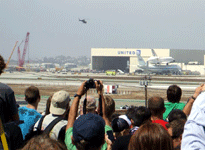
[91,108]
[59,108]
[176,114]
[130,113]
[121,125]
[140,116]
[175,130]
[9,114]
[188,106]
[29,113]
[156,106]
[8,108]
[43,142]
[115,115]
[194,134]
[174,93]
[48,103]
[109,107]
[89,132]
[151,136]
[90,105]
[86,142]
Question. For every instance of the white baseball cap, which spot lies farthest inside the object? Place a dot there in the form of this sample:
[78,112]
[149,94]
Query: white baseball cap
[59,102]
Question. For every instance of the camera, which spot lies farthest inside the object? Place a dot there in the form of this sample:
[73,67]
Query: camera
[90,83]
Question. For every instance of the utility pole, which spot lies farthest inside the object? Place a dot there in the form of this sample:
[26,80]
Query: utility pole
[145,81]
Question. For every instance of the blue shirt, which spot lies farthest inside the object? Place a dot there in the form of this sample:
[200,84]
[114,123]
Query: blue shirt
[193,137]
[30,117]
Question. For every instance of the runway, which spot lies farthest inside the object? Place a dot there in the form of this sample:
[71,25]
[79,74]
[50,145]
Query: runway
[124,81]
[50,79]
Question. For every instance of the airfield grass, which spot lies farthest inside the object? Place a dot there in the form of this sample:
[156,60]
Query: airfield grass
[131,93]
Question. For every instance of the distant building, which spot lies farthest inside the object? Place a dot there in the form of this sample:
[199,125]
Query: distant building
[47,65]
[70,65]
[125,59]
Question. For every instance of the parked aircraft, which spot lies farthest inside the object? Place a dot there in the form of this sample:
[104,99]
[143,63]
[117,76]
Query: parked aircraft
[158,69]
[159,60]
[120,71]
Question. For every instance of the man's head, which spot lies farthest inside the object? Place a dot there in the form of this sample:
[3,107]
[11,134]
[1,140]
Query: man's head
[140,116]
[90,104]
[130,112]
[43,141]
[109,106]
[176,114]
[2,64]
[156,106]
[89,132]
[174,93]
[120,123]
[59,103]
[32,95]
[175,130]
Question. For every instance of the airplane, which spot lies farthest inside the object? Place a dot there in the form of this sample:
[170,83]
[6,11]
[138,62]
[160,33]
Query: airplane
[159,60]
[120,71]
[158,69]
[83,21]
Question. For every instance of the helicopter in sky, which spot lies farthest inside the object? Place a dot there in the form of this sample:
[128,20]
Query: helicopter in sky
[83,21]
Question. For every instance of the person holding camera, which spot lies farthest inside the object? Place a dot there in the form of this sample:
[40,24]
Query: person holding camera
[88,131]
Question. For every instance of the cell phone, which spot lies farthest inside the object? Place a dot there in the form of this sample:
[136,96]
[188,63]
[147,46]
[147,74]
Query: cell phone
[110,136]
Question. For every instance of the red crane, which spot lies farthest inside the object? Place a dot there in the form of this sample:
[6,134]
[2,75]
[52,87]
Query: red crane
[22,60]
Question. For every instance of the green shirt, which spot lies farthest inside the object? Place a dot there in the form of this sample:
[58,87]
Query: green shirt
[68,140]
[171,106]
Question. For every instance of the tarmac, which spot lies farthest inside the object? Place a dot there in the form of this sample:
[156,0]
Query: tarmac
[47,79]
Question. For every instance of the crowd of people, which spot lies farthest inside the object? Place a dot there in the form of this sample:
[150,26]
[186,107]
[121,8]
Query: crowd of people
[86,124]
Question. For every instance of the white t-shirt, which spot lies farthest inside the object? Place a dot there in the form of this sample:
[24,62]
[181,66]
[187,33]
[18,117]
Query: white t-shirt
[56,129]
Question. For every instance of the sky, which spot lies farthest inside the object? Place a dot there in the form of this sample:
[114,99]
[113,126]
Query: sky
[55,28]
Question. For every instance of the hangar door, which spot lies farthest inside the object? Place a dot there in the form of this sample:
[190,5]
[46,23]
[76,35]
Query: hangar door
[110,63]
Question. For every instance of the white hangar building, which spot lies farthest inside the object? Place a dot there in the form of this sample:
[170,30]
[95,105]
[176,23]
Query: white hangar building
[125,59]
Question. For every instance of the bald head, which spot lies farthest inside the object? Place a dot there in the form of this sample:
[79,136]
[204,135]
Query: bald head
[156,105]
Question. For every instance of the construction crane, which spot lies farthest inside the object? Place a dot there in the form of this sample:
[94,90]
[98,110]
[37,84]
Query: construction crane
[22,60]
[7,63]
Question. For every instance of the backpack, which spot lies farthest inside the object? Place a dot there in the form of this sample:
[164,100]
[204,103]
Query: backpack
[39,131]
[13,135]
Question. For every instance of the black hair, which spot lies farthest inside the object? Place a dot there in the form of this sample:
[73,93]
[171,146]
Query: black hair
[2,64]
[130,112]
[177,127]
[141,115]
[176,114]
[119,124]
[174,93]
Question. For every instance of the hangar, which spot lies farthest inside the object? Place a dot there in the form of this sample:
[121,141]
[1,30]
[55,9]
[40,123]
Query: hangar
[125,59]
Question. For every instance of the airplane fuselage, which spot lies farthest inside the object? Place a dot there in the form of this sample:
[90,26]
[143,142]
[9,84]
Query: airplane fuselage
[160,60]
[161,68]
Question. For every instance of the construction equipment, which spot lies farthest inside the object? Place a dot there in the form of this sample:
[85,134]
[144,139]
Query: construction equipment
[22,60]
[11,54]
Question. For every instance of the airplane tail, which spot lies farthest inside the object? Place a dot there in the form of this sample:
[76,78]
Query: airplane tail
[153,52]
[141,61]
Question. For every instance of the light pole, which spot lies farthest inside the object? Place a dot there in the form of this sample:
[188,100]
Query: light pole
[145,81]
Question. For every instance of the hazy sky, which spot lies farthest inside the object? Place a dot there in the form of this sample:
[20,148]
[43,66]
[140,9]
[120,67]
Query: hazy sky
[55,30]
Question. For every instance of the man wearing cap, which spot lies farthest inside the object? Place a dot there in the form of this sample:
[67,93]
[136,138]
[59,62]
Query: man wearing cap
[59,108]
[90,105]
[88,131]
